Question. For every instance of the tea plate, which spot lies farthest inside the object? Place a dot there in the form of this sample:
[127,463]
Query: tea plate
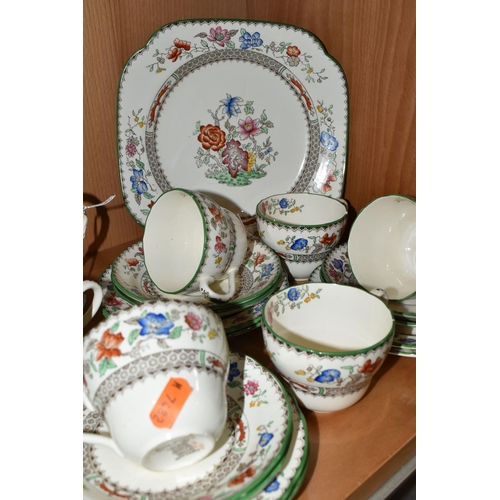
[260,428]
[188,116]
[259,274]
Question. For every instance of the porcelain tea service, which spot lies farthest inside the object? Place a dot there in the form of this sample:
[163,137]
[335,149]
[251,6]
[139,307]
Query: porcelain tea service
[96,300]
[156,373]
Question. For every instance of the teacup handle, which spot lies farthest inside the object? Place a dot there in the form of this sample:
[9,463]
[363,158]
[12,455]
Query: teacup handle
[98,296]
[381,294]
[206,290]
[99,439]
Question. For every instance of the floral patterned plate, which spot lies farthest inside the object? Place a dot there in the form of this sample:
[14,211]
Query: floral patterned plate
[260,423]
[258,275]
[238,110]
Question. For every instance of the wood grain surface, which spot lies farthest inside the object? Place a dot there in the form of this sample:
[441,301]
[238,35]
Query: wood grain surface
[373,40]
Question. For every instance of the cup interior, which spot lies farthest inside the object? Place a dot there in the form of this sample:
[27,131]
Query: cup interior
[382,246]
[301,209]
[336,318]
[174,241]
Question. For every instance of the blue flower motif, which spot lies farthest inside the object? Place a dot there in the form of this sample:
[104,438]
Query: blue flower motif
[157,324]
[272,486]
[328,376]
[249,40]
[231,106]
[338,264]
[265,438]
[293,294]
[233,371]
[328,141]
[284,203]
[299,244]
[408,341]
[138,181]
[267,270]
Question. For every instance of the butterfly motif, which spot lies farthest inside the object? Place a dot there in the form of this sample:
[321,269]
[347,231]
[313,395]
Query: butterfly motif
[302,93]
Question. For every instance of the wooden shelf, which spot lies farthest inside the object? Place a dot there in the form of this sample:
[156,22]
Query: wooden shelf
[353,452]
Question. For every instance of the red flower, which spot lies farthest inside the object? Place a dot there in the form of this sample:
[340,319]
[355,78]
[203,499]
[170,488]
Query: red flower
[212,137]
[248,473]
[259,259]
[182,44]
[173,54]
[215,212]
[368,367]
[328,240]
[132,262]
[108,346]
[115,302]
[292,51]
[235,158]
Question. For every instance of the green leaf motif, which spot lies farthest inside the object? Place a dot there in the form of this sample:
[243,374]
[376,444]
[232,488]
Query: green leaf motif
[175,333]
[234,383]
[133,335]
[114,327]
[231,45]
[350,369]
[147,195]
[204,44]
[243,31]
[139,163]
[263,116]
[106,364]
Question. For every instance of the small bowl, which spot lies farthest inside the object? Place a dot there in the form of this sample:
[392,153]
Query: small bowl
[302,228]
[382,246]
[327,341]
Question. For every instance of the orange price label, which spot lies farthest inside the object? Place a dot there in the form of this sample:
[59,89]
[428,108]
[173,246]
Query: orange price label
[170,402]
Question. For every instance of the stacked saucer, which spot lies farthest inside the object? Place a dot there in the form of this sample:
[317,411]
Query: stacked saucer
[336,268]
[127,283]
[262,452]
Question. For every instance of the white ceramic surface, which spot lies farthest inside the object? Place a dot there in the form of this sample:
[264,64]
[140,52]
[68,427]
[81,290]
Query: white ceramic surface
[189,242]
[302,228]
[156,373]
[97,296]
[237,143]
[382,246]
[327,341]
[251,451]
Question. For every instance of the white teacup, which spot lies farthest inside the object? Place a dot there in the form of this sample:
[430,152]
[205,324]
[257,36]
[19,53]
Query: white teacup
[96,300]
[190,241]
[157,375]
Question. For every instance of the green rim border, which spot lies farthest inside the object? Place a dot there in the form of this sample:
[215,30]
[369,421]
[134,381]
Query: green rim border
[327,353]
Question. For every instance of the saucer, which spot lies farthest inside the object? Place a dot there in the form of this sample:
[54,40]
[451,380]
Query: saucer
[240,321]
[254,449]
[287,481]
[259,274]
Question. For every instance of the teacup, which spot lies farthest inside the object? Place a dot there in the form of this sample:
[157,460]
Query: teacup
[190,241]
[157,373]
[327,341]
[96,300]
[382,246]
[302,228]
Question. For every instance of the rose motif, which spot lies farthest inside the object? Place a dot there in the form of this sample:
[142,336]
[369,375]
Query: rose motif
[212,137]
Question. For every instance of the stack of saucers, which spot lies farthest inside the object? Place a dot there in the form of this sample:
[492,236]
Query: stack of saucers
[127,283]
[263,451]
[336,268]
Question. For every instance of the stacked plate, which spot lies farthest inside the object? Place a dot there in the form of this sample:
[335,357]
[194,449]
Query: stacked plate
[127,283]
[263,451]
[336,268]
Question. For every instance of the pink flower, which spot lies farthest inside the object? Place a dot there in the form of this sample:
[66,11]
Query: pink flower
[193,321]
[251,388]
[325,183]
[248,127]
[235,157]
[219,36]
[219,246]
[130,149]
